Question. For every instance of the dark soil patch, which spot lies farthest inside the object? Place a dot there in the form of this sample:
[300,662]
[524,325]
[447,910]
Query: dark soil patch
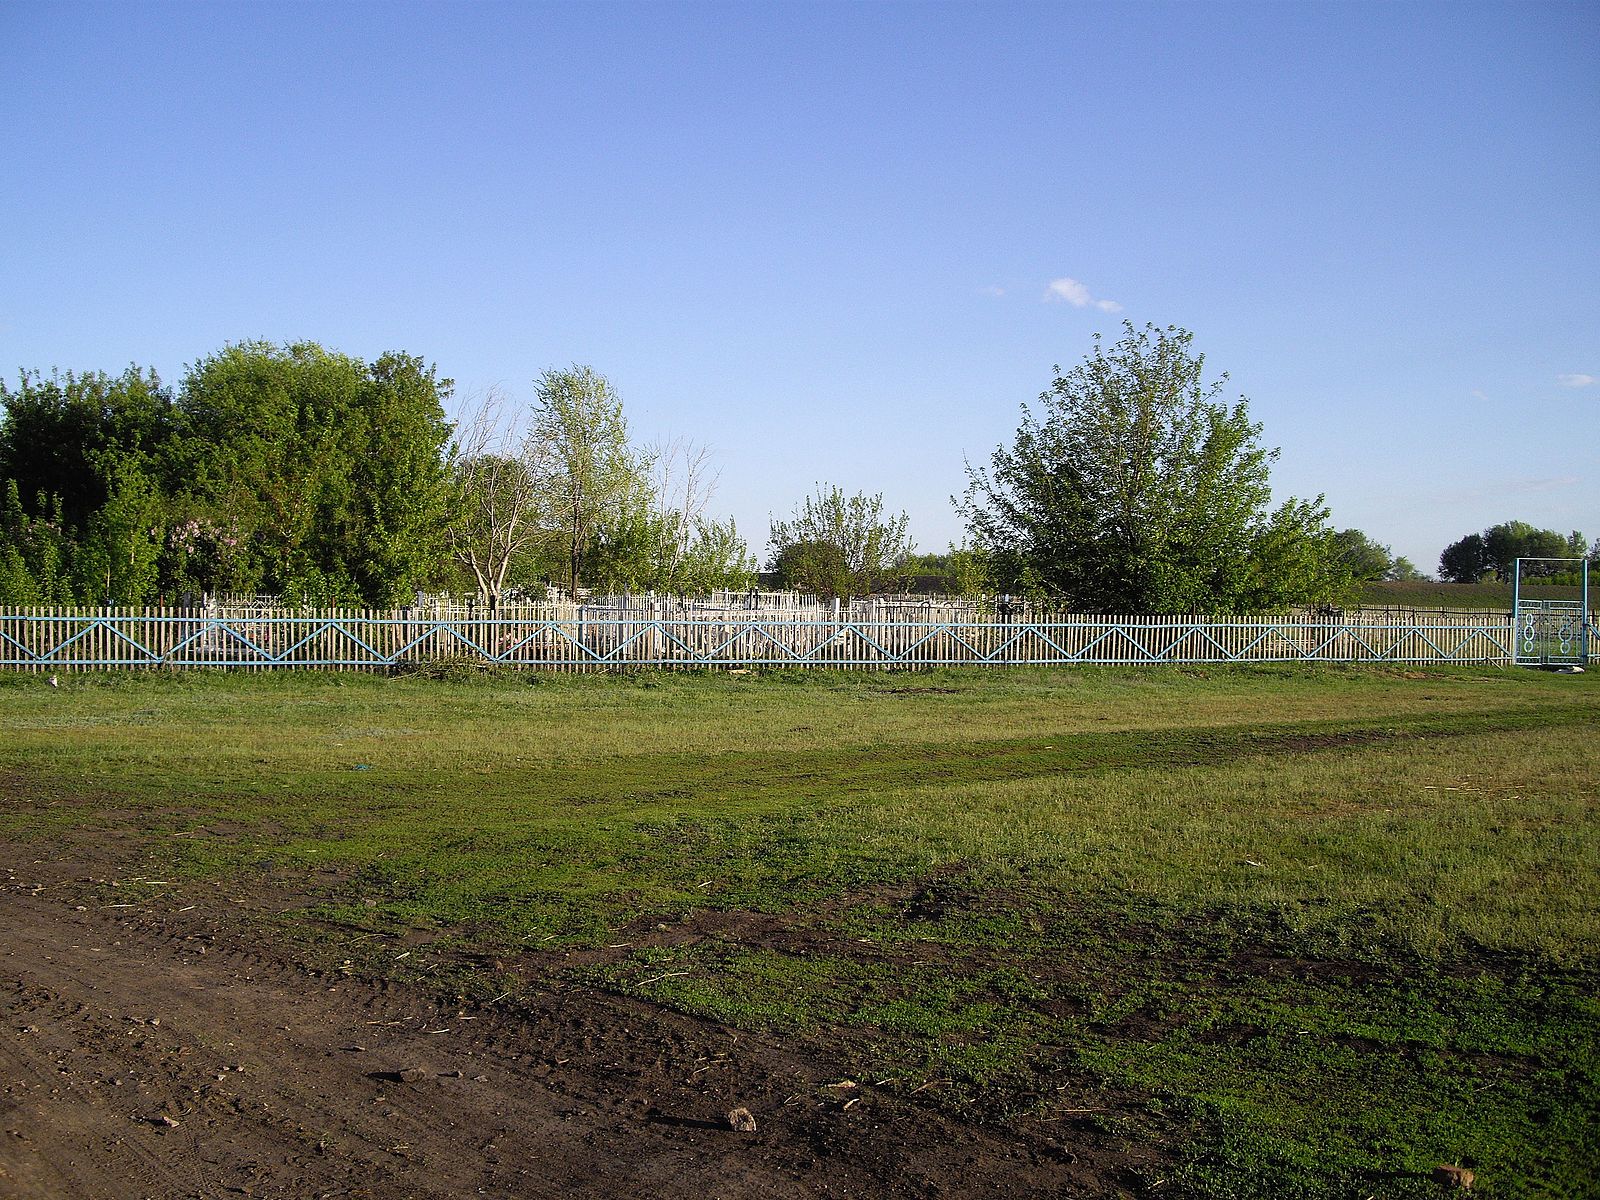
[163,1046]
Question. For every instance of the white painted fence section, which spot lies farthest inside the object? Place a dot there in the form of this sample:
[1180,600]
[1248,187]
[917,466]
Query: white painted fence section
[574,638]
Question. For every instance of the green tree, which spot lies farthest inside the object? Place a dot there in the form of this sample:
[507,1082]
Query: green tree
[20,581]
[839,546]
[658,549]
[1363,557]
[717,558]
[1403,570]
[590,472]
[267,435]
[117,558]
[628,549]
[401,486]
[1293,558]
[1464,561]
[1133,488]
[66,435]
[327,474]
[34,555]
[84,457]
[1496,550]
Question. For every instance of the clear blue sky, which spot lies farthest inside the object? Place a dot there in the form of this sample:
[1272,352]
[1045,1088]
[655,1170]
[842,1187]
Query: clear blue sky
[822,238]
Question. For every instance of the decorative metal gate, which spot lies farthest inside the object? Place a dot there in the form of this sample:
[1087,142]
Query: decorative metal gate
[1551,632]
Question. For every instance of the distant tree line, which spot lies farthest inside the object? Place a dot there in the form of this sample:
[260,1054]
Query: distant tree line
[1493,553]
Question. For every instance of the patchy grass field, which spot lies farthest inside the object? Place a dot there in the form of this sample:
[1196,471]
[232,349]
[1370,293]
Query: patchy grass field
[1305,931]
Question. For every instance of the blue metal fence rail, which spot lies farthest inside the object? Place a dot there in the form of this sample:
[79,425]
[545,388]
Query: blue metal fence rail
[381,642]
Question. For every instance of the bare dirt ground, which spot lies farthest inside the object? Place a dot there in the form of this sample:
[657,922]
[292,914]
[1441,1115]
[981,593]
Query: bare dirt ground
[169,1048]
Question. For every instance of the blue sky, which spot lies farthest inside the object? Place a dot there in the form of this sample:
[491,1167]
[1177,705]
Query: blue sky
[823,238]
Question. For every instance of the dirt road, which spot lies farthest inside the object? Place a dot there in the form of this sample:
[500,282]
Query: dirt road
[166,1049]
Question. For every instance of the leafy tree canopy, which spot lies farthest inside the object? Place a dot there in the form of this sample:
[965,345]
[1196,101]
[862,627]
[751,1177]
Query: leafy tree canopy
[289,469]
[839,546]
[1494,552]
[63,435]
[314,475]
[1133,488]
[1362,556]
[593,475]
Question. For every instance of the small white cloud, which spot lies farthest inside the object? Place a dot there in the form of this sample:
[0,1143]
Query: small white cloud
[1077,295]
[1576,380]
[992,290]
[1070,290]
[1478,395]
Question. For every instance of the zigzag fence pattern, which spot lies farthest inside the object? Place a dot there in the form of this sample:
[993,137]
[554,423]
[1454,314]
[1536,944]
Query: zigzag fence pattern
[108,639]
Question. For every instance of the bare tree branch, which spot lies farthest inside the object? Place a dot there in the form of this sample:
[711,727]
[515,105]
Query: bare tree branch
[499,509]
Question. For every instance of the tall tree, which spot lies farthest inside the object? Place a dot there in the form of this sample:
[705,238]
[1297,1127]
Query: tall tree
[1464,561]
[266,432]
[840,546]
[400,480]
[499,510]
[329,471]
[589,469]
[1133,488]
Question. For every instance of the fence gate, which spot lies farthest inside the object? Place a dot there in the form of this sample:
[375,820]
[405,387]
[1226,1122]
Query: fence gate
[1551,632]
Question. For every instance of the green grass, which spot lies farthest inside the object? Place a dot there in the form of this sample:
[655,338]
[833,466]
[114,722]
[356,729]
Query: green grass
[1312,929]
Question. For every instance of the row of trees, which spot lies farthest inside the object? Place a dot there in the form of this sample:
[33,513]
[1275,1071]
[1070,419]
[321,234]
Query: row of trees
[323,479]
[293,470]
[1132,485]
[566,494]
[1493,553]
